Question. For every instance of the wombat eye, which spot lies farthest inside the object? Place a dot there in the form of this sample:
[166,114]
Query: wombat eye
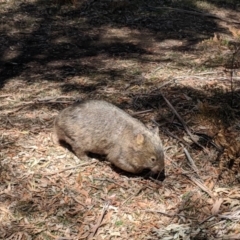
[153,159]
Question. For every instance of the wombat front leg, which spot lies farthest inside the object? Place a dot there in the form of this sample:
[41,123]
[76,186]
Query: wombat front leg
[80,153]
[122,163]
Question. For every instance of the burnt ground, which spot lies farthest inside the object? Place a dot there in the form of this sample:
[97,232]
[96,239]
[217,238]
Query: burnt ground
[174,63]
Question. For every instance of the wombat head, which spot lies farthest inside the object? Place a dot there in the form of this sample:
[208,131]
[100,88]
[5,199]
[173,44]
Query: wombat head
[147,151]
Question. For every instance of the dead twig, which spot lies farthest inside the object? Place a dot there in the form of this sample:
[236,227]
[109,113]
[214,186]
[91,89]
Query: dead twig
[99,222]
[69,168]
[171,134]
[141,112]
[57,237]
[207,73]
[47,100]
[54,102]
[133,195]
[156,181]
[164,84]
[165,214]
[193,138]
[111,181]
[232,71]
[231,215]
[5,95]
[206,219]
[200,184]
[192,163]
[203,78]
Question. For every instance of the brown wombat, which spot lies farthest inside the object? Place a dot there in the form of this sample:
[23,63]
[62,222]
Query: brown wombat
[99,127]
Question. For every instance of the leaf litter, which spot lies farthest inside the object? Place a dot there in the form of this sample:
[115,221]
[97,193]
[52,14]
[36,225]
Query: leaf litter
[48,193]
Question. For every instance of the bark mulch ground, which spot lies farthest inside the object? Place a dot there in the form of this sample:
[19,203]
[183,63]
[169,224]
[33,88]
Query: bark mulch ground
[171,63]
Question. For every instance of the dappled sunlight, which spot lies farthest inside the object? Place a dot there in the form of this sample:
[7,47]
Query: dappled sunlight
[175,64]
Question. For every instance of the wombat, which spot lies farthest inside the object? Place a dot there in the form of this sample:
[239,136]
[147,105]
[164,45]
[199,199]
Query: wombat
[99,127]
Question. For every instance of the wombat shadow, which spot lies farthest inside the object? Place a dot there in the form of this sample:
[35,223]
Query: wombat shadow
[146,174]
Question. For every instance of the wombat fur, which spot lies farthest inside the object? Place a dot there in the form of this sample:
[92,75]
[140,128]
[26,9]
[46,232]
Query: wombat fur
[99,127]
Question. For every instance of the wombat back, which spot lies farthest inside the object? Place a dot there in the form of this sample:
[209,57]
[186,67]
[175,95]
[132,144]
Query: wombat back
[102,128]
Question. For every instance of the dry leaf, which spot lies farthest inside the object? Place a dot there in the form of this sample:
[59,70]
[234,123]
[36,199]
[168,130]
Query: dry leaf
[216,206]
[79,179]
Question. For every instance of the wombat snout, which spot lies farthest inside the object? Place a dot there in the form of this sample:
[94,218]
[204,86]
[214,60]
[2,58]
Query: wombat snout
[102,128]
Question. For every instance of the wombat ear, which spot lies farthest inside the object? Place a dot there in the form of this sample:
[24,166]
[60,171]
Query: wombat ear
[155,130]
[140,139]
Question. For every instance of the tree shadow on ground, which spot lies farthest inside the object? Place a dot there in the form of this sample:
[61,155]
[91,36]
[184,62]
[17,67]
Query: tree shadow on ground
[44,43]
[41,42]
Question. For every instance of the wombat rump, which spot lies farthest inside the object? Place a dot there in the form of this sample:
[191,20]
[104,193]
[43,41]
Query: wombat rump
[99,127]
